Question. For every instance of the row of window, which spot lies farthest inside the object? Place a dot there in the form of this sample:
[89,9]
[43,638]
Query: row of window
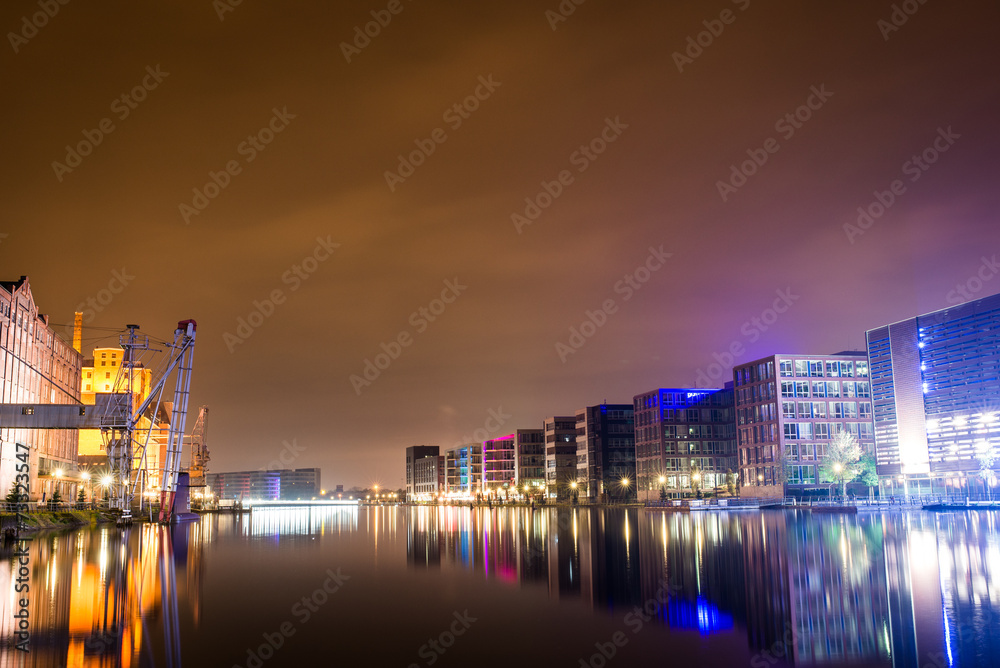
[670,431]
[819,369]
[822,409]
[687,447]
[766,433]
[818,388]
[806,431]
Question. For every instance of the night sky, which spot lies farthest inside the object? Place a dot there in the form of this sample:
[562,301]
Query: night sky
[612,120]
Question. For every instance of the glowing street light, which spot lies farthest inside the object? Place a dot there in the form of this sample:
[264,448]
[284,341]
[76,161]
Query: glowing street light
[663,479]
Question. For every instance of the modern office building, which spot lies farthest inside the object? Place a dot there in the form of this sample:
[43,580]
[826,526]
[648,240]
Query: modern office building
[605,452]
[499,465]
[297,484]
[413,453]
[246,485]
[266,485]
[936,392]
[464,469]
[530,446]
[789,408]
[36,366]
[428,477]
[681,433]
[560,456]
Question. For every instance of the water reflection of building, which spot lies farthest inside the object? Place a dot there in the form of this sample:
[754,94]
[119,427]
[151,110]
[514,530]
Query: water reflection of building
[895,589]
[954,562]
[839,612]
[95,594]
[692,566]
[609,558]
[297,521]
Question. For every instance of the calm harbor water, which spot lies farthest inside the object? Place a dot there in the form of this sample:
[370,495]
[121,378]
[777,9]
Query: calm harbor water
[404,586]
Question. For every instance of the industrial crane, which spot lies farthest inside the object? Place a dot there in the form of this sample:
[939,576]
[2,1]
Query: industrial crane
[119,429]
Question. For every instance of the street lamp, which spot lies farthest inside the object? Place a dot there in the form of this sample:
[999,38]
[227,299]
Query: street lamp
[86,478]
[106,483]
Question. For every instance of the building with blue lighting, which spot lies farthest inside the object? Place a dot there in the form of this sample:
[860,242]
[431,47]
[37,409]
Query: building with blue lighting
[936,393]
[681,433]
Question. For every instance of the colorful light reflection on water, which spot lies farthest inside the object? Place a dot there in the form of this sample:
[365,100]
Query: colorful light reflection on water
[883,589]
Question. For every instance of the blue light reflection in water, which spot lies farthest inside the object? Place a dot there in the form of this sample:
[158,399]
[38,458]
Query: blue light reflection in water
[892,589]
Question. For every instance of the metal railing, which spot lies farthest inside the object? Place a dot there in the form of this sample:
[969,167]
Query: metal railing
[912,500]
[713,502]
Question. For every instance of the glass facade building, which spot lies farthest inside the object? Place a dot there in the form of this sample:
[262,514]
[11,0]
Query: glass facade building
[530,444]
[464,469]
[788,410]
[936,391]
[680,430]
